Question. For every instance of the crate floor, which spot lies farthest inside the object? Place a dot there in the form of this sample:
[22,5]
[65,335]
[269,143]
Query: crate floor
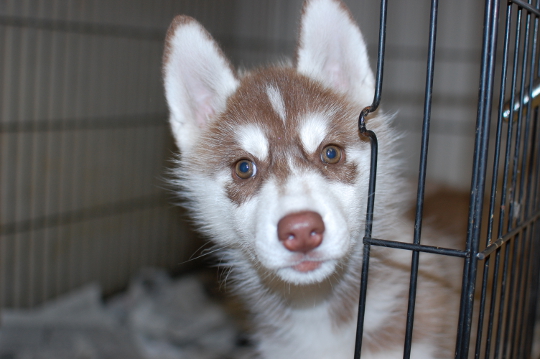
[156,318]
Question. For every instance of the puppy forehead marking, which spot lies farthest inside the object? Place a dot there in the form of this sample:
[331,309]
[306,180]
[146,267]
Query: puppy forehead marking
[276,100]
[313,130]
[252,139]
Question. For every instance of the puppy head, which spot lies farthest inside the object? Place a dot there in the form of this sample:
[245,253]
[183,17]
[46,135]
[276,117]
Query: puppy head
[272,163]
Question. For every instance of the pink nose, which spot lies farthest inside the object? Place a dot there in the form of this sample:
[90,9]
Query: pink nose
[301,232]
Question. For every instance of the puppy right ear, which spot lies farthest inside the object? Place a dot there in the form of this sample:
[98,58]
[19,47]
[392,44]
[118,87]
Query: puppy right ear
[331,49]
[198,79]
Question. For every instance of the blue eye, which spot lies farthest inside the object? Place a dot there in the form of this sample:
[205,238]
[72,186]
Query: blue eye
[245,169]
[331,154]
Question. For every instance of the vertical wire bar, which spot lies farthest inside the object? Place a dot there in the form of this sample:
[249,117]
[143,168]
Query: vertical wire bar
[507,309]
[479,172]
[421,177]
[535,232]
[493,200]
[512,217]
[531,194]
[527,63]
[520,309]
[508,149]
[533,296]
[372,178]
[532,116]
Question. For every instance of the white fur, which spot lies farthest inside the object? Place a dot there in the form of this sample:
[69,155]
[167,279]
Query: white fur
[295,311]
[301,193]
[198,81]
[333,51]
[253,140]
[312,131]
[276,99]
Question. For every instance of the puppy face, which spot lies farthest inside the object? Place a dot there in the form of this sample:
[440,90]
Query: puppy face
[284,127]
[272,162]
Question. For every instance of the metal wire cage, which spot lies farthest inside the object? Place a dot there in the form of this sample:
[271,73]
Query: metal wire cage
[500,259]
[83,143]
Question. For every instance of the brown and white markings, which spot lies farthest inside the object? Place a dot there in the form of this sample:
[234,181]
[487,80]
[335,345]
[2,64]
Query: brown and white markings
[275,173]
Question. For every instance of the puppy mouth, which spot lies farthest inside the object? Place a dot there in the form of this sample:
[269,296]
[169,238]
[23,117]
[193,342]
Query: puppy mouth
[307,266]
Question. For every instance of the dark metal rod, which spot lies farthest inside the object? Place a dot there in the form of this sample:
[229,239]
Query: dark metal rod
[372,178]
[520,308]
[526,6]
[535,241]
[493,199]
[416,247]
[479,173]
[492,304]
[524,193]
[380,57]
[504,191]
[533,294]
[421,178]
[511,292]
[527,324]
[513,217]
[369,223]
[500,241]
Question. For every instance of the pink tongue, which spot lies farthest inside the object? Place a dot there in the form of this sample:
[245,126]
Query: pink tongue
[307,266]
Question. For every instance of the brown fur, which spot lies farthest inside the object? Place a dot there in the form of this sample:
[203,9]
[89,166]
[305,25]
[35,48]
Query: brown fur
[250,104]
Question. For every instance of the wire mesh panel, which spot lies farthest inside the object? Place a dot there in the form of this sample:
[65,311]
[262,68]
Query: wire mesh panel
[509,244]
[500,299]
[84,140]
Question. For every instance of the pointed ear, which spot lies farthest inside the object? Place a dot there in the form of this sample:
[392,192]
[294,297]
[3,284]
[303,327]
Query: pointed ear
[331,50]
[198,80]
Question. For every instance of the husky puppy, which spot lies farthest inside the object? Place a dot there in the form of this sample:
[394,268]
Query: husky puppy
[276,174]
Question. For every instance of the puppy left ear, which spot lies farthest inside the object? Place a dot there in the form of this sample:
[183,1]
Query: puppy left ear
[331,50]
[198,80]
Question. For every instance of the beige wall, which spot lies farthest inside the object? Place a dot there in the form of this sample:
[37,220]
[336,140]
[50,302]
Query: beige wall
[84,140]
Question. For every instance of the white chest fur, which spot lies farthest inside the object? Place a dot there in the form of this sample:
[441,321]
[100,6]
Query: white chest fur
[311,334]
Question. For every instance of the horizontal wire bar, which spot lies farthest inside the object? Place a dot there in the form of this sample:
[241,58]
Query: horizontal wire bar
[84,214]
[501,240]
[526,6]
[417,247]
[86,28]
[90,123]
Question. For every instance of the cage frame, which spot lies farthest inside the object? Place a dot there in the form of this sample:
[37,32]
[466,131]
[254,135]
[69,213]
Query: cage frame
[527,225]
